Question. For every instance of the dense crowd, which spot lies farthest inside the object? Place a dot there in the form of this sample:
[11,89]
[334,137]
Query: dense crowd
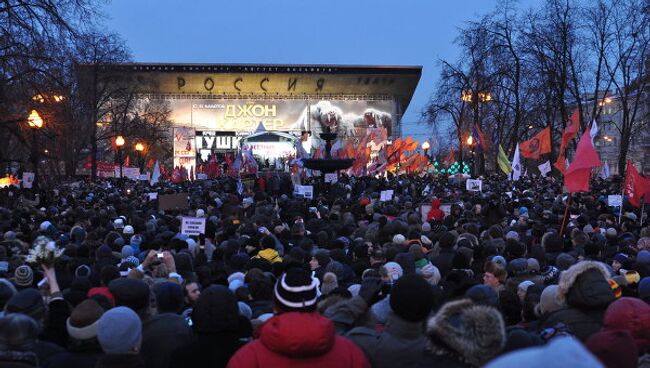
[515,275]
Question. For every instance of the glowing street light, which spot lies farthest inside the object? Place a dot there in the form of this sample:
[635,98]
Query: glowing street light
[425,145]
[34,120]
[119,141]
[139,147]
[470,140]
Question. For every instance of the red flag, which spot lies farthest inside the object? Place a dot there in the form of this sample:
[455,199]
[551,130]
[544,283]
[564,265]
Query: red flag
[577,175]
[636,186]
[536,146]
[127,161]
[570,131]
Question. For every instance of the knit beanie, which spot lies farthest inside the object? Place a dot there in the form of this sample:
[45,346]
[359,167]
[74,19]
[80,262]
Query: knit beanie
[119,331]
[169,297]
[633,315]
[82,323]
[330,282]
[128,230]
[27,301]
[393,271]
[82,271]
[564,261]
[127,251]
[296,291]
[412,298]
[131,293]
[615,349]
[23,276]
[215,311]
[484,295]
[644,289]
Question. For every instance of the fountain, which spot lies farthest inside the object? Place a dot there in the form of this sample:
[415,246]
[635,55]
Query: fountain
[328,164]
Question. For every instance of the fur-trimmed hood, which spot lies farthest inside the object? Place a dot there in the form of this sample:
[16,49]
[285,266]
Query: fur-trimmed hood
[584,285]
[473,333]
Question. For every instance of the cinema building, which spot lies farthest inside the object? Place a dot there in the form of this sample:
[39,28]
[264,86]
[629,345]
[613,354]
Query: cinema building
[215,108]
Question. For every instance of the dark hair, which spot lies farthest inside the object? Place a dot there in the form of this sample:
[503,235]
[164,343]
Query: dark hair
[18,332]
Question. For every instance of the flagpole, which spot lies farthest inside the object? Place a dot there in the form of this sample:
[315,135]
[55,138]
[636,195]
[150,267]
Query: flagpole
[620,212]
[566,212]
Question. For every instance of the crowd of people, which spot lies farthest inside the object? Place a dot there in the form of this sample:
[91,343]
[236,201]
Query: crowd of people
[518,274]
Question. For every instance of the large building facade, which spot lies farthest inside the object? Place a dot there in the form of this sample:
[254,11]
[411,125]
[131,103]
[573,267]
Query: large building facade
[213,106]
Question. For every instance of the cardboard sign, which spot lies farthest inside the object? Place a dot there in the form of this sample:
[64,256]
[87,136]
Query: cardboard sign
[143,177]
[474,185]
[446,208]
[28,179]
[152,196]
[331,178]
[386,195]
[176,201]
[306,191]
[201,176]
[132,173]
[193,226]
[615,200]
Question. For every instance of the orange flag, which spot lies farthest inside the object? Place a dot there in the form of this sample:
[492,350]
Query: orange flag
[570,132]
[538,145]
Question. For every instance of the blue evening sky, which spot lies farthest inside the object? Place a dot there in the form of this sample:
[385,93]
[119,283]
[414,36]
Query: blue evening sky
[380,32]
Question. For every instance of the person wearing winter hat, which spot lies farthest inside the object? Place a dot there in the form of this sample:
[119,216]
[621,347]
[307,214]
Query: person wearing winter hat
[399,239]
[548,302]
[483,295]
[128,230]
[18,338]
[23,277]
[615,348]
[564,261]
[167,330]
[82,327]
[330,282]
[219,329]
[633,315]
[131,293]
[391,272]
[644,289]
[586,291]
[561,352]
[464,334]
[7,290]
[402,340]
[119,332]
[281,344]
[28,302]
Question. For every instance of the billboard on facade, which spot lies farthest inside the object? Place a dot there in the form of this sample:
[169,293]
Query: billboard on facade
[184,148]
[347,118]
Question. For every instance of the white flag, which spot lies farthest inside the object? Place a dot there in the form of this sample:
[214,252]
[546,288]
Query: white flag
[593,131]
[604,173]
[545,168]
[155,176]
[516,165]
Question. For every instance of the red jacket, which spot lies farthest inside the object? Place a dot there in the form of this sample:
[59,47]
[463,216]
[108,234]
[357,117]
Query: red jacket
[435,213]
[299,340]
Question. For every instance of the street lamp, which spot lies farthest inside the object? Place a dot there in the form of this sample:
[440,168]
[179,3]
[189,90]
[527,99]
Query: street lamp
[35,122]
[139,147]
[425,147]
[470,144]
[119,143]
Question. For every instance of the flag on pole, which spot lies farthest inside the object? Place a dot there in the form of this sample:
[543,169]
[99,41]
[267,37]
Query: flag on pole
[155,176]
[570,132]
[636,186]
[577,175]
[515,174]
[545,168]
[538,145]
[604,173]
[503,162]
[593,131]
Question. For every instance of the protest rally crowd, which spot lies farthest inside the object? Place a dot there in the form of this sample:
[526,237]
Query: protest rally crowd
[517,274]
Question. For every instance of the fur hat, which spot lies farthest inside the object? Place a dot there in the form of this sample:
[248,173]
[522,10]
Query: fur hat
[82,323]
[569,277]
[476,333]
[330,282]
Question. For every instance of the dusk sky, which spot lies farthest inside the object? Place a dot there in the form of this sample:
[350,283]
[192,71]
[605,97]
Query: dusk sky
[361,32]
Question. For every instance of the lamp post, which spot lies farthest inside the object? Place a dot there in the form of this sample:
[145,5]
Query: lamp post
[425,147]
[470,144]
[35,122]
[139,148]
[119,143]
